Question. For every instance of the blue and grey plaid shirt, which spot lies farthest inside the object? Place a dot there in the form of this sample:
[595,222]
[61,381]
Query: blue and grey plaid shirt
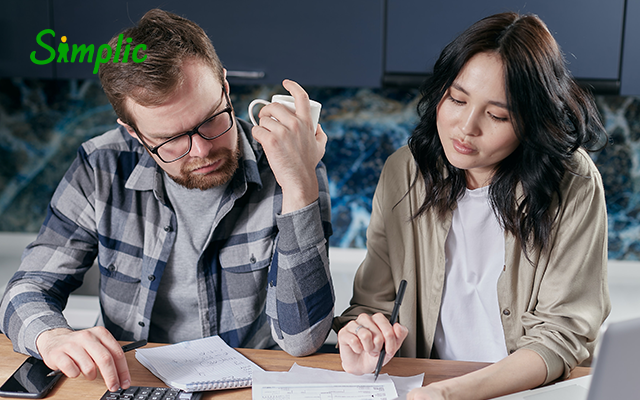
[262,277]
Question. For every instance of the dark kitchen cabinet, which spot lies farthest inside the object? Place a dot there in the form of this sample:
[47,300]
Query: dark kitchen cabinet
[327,43]
[352,43]
[19,38]
[590,33]
[630,73]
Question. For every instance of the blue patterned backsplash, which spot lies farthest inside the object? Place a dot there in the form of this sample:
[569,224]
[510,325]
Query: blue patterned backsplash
[42,123]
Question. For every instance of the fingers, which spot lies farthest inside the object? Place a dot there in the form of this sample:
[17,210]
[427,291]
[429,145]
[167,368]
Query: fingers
[361,341]
[286,116]
[85,352]
[303,109]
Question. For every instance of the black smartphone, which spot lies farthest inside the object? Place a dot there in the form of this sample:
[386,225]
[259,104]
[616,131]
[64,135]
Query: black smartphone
[30,380]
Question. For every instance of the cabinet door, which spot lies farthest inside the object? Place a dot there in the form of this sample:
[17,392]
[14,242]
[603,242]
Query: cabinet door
[588,31]
[20,23]
[327,43]
[630,77]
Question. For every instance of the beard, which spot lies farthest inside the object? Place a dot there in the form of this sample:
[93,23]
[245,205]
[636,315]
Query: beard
[220,176]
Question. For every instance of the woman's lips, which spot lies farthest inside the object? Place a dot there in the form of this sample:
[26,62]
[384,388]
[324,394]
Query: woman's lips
[461,148]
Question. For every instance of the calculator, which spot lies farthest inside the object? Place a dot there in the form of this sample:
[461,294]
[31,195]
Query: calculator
[150,393]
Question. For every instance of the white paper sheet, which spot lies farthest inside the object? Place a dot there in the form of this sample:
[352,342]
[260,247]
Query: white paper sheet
[304,383]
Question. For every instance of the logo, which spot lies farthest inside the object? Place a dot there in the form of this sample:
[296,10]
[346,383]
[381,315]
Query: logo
[83,51]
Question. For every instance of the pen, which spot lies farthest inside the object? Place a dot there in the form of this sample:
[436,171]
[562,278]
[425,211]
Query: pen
[393,320]
[125,348]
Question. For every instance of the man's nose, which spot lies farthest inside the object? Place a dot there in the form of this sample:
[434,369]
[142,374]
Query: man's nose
[200,147]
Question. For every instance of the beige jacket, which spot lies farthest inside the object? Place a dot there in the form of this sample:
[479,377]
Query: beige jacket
[554,308]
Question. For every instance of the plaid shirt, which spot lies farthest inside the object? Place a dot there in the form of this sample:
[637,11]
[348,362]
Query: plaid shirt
[260,272]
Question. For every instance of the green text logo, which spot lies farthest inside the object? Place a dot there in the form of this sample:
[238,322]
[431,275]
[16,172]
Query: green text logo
[80,52]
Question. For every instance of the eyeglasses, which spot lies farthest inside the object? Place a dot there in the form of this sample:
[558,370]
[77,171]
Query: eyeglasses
[180,145]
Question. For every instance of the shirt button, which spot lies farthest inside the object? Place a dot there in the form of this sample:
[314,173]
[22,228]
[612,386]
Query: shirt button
[252,259]
[111,268]
[151,277]
[506,312]
[168,228]
[141,323]
[271,284]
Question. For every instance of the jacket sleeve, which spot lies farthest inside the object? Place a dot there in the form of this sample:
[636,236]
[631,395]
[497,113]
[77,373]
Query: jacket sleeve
[53,265]
[300,297]
[571,291]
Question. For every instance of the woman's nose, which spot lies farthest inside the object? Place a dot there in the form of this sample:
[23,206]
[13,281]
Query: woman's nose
[470,124]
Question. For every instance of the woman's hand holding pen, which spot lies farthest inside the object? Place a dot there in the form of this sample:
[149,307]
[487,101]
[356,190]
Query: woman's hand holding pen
[361,341]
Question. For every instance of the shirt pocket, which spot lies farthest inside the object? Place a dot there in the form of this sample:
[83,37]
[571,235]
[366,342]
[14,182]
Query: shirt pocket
[119,287]
[247,257]
[244,271]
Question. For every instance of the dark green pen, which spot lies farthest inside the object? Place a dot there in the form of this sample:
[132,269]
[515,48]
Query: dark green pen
[393,320]
[125,348]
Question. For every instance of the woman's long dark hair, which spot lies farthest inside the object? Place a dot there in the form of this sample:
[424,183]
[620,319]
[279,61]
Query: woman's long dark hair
[551,115]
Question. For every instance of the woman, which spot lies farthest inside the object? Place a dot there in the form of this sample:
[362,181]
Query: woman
[495,215]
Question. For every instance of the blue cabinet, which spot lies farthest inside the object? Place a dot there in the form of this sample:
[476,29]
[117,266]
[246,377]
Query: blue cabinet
[352,43]
[19,38]
[590,33]
[630,73]
[325,43]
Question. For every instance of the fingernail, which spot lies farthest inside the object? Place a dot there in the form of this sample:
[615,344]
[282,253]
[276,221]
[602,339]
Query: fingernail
[113,388]
[126,384]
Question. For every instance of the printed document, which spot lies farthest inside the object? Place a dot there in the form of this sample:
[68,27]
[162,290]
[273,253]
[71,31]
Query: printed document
[304,383]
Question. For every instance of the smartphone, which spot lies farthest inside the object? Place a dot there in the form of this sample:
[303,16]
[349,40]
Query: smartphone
[30,380]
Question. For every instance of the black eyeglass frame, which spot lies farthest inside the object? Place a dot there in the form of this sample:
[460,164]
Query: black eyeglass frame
[154,150]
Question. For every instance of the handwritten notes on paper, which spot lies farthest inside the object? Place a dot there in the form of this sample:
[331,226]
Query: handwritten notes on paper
[303,383]
[196,365]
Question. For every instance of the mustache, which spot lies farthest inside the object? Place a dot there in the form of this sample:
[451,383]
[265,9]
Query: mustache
[196,163]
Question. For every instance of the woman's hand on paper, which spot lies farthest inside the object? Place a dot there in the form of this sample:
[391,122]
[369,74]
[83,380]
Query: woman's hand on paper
[361,341]
[84,352]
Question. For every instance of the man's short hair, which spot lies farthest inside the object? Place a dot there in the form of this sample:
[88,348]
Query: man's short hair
[170,40]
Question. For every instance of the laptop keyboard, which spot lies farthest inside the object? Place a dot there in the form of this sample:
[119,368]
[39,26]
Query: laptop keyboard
[150,393]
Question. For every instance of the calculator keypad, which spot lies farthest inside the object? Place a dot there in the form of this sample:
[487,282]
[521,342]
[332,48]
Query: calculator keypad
[150,393]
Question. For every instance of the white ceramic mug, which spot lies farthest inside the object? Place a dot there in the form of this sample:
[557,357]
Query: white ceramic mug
[288,102]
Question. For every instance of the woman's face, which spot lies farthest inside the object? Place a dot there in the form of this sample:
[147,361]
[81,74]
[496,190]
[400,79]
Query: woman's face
[473,120]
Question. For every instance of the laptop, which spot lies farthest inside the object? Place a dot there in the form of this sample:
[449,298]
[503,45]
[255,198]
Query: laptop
[615,372]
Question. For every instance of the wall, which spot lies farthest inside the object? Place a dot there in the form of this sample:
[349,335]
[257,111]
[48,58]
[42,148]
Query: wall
[42,122]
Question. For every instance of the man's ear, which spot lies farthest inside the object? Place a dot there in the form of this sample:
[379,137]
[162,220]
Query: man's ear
[225,81]
[129,129]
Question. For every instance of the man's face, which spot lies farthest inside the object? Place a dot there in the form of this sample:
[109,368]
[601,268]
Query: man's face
[210,162]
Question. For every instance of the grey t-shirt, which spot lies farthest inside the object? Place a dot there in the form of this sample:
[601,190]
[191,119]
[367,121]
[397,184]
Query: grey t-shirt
[175,315]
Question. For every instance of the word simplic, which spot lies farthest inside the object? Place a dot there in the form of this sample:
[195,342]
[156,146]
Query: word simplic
[83,51]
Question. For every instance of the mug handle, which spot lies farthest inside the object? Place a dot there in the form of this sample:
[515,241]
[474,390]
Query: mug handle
[253,103]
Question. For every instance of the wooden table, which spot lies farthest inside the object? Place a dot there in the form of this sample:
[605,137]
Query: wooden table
[270,360]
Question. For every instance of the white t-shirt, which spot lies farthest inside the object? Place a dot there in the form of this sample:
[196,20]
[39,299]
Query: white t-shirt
[469,327]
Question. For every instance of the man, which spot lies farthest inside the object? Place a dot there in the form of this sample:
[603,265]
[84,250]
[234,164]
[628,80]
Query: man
[200,225]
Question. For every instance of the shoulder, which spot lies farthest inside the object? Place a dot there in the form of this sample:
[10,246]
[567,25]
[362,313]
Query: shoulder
[582,171]
[113,142]
[114,149]
[582,183]
[582,164]
[398,176]
[400,164]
